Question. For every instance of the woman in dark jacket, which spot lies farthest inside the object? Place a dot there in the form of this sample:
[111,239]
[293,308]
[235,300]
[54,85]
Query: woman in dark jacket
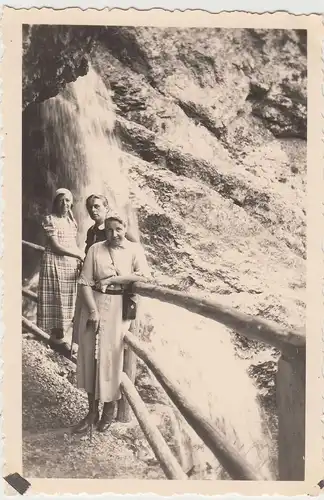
[98,208]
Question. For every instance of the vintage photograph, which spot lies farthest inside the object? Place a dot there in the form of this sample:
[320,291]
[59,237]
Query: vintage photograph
[162,202]
[164,246]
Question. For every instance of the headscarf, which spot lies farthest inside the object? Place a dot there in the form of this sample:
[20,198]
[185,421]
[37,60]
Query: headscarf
[70,196]
[64,191]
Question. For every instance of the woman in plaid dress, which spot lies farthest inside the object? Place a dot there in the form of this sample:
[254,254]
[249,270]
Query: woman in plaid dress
[59,269]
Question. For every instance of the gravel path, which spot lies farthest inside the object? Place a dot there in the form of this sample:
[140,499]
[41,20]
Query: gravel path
[51,405]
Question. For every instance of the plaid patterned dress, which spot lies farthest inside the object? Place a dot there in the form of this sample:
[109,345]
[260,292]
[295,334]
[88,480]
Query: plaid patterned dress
[58,277]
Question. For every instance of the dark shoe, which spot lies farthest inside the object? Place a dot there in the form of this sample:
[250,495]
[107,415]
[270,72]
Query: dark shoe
[57,341]
[106,417]
[84,425]
[57,335]
[63,348]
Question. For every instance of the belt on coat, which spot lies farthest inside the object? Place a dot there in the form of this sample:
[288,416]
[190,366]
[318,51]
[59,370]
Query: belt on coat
[109,291]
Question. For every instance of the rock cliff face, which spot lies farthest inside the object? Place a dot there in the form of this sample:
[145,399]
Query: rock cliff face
[214,124]
[52,57]
[212,127]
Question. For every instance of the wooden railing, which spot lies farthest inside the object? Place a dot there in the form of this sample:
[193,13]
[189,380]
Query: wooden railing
[290,387]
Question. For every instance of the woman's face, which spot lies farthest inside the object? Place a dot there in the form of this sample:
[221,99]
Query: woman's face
[63,204]
[97,210]
[115,232]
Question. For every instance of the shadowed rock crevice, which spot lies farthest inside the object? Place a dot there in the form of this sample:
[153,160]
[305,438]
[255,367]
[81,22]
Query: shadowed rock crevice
[201,117]
[123,44]
[52,57]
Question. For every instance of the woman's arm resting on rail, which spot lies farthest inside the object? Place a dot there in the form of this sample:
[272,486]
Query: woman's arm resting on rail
[121,280]
[59,249]
[141,271]
[50,229]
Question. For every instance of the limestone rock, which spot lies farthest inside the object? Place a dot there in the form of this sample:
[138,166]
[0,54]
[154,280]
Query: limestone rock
[212,131]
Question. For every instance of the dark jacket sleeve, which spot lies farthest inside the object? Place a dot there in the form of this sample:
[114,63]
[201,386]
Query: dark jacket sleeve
[89,239]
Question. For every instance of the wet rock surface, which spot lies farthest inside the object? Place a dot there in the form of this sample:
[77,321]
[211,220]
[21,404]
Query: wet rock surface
[212,127]
[218,187]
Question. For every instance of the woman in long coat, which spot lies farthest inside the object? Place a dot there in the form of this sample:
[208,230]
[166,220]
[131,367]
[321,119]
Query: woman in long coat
[108,266]
[98,208]
[59,268]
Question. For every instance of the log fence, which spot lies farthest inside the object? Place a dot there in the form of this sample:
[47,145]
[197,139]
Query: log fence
[290,386]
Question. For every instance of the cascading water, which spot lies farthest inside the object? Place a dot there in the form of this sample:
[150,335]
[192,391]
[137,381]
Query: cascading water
[93,153]
[199,354]
[81,152]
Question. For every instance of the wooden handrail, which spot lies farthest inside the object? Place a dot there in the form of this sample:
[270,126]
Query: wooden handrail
[60,348]
[226,454]
[291,410]
[285,340]
[34,329]
[29,294]
[255,328]
[33,245]
[168,462]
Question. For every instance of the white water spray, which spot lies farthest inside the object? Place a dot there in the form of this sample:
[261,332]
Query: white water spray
[94,153]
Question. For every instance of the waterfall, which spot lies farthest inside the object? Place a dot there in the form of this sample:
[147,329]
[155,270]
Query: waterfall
[199,354]
[79,123]
[80,152]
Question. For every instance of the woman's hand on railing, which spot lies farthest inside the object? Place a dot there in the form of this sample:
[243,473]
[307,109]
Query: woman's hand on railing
[124,280]
[79,255]
[118,280]
[80,265]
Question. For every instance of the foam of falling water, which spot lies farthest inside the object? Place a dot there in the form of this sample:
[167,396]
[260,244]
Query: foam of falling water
[79,123]
[198,352]
[96,116]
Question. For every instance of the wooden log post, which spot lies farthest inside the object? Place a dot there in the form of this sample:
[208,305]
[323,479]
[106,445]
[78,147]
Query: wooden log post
[291,377]
[228,456]
[38,248]
[124,412]
[252,327]
[168,462]
[29,294]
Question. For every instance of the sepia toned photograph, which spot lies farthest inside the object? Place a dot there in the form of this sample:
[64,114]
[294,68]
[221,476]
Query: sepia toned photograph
[164,253]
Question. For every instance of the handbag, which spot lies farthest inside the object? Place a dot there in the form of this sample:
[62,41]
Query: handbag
[129,307]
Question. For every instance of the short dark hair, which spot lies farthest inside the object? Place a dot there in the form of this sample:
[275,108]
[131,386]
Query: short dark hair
[96,197]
